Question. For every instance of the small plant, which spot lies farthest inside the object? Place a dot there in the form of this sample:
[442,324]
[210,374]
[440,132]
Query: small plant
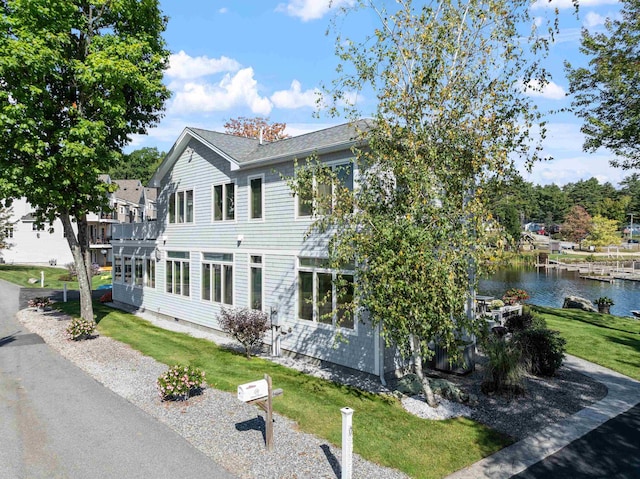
[80,329]
[505,368]
[604,301]
[40,302]
[515,295]
[543,349]
[247,326]
[180,383]
[496,304]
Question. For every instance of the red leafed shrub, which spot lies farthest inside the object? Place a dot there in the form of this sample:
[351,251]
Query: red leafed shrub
[247,326]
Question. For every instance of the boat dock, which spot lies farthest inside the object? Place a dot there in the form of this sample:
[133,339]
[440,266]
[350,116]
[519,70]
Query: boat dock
[605,272]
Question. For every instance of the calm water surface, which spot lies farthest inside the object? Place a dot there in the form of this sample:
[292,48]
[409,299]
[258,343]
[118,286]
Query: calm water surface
[549,288]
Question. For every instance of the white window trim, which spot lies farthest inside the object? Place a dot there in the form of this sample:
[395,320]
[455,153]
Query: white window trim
[118,258]
[133,272]
[314,322]
[168,259]
[263,196]
[331,164]
[224,219]
[145,274]
[175,204]
[262,267]
[222,287]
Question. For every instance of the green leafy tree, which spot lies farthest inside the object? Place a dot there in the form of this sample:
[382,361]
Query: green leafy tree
[77,78]
[140,165]
[630,186]
[606,93]
[5,227]
[603,232]
[552,204]
[451,112]
[577,224]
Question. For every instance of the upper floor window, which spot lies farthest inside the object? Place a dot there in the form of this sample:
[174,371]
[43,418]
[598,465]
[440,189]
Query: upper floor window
[325,295]
[323,196]
[256,201]
[177,273]
[224,202]
[9,231]
[37,227]
[181,207]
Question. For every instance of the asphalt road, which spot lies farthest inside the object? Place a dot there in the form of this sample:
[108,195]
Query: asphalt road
[610,451]
[57,422]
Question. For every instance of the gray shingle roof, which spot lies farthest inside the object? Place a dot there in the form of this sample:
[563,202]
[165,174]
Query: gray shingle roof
[129,190]
[245,150]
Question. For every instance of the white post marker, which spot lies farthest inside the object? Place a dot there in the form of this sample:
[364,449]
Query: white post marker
[42,279]
[64,293]
[347,442]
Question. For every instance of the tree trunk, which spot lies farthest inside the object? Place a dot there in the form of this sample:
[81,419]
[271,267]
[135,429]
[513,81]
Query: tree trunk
[84,283]
[417,363]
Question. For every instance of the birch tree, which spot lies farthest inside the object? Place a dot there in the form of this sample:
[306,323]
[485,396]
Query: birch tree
[449,80]
[77,78]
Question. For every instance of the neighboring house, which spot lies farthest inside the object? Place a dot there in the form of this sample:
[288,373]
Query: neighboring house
[44,244]
[229,233]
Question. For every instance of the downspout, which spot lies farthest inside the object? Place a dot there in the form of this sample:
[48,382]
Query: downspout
[379,354]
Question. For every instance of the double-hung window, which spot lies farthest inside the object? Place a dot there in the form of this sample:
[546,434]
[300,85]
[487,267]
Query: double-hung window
[181,207]
[325,295]
[217,277]
[177,272]
[323,196]
[224,202]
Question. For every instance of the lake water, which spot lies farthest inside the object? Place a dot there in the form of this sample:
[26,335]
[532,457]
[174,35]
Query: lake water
[550,287]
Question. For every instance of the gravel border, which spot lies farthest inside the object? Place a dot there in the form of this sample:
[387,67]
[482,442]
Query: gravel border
[231,432]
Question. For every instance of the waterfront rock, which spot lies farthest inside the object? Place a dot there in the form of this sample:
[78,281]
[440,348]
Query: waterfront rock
[575,302]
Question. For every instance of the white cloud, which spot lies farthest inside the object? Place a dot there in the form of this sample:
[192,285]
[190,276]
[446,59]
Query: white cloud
[550,91]
[185,67]
[294,97]
[593,20]
[234,91]
[564,4]
[223,10]
[311,9]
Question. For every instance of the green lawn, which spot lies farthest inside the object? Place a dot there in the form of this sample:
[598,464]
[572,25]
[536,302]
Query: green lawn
[20,275]
[610,341]
[383,431]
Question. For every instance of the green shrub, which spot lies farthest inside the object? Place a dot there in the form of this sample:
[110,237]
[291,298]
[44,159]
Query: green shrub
[180,383]
[520,322]
[80,329]
[543,349]
[505,369]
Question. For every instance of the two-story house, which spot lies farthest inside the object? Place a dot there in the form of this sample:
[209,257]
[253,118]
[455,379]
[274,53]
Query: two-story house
[229,233]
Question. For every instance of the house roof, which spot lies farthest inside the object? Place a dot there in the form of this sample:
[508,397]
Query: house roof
[244,152]
[129,190]
[151,193]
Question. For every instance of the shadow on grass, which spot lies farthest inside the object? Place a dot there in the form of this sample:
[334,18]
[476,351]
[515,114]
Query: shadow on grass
[605,321]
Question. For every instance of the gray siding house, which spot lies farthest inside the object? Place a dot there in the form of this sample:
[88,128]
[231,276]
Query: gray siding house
[229,233]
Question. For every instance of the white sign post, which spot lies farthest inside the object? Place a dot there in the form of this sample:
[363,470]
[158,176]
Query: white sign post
[347,442]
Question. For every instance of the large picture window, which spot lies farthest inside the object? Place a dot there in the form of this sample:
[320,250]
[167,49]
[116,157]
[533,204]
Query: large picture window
[177,273]
[181,207]
[217,277]
[224,202]
[324,193]
[325,295]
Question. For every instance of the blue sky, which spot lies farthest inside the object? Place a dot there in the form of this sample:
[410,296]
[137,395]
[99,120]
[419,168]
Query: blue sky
[267,58]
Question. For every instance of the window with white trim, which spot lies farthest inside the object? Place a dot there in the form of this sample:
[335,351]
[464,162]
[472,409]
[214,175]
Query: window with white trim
[138,271]
[181,207]
[150,273]
[117,268]
[9,231]
[217,277]
[308,203]
[127,269]
[325,295]
[256,198]
[177,272]
[255,282]
[224,202]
